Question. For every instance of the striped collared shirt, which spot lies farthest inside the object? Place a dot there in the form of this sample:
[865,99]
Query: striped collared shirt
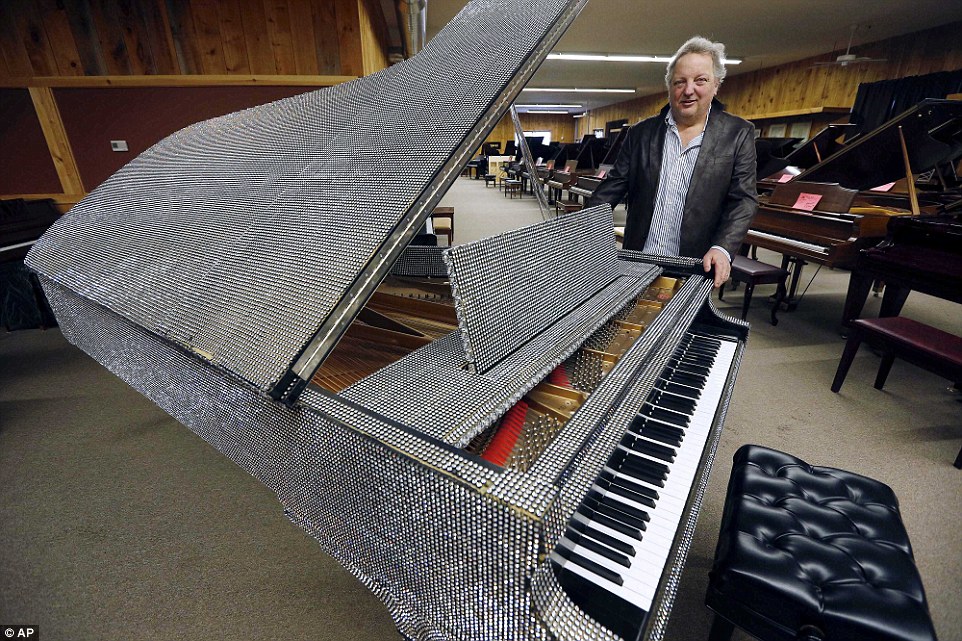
[677,166]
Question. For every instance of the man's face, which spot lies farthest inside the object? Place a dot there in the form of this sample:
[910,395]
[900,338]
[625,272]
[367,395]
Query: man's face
[693,85]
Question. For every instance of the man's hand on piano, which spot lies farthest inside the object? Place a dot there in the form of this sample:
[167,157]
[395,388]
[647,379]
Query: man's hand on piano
[718,259]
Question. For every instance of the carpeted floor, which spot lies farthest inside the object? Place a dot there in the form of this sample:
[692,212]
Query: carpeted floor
[117,522]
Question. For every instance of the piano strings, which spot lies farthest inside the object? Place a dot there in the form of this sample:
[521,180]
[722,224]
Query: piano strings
[521,435]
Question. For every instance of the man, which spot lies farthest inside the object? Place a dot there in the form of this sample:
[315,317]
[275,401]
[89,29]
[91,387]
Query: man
[689,172]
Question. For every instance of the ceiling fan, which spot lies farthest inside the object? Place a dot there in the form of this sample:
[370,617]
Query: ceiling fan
[848,57]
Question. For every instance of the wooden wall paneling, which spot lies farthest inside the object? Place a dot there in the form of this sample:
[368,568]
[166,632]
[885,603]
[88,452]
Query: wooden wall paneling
[14,55]
[85,39]
[186,48]
[160,37]
[56,25]
[260,53]
[282,41]
[33,38]
[233,39]
[374,36]
[347,19]
[207,32]
[303,38]
[326,38]
[56,137]
[110,37]
[132,18]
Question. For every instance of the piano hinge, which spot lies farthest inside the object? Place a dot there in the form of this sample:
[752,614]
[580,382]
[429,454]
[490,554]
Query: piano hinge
[288,389]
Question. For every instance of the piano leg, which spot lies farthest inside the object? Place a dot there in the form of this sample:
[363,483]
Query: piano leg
[796,270]
[893,300]
[858,287]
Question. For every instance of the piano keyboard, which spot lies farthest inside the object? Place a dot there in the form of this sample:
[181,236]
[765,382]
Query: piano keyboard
[612,555]
[791,242]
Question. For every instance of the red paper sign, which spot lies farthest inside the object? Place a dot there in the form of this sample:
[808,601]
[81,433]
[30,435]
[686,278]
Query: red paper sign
[884,187]
[784,178]
[806,201]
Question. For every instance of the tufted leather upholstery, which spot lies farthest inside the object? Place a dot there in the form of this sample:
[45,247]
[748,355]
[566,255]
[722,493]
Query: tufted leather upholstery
[803,545]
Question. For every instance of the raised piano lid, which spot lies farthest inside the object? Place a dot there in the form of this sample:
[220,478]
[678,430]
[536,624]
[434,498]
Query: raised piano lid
[252,240]
[933,134]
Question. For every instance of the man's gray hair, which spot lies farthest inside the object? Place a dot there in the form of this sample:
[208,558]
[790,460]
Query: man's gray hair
[698,44]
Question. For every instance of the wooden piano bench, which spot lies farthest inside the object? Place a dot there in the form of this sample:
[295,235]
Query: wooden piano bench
[920,344]
[754,272]
[815,554]
[512,187]
[490,180]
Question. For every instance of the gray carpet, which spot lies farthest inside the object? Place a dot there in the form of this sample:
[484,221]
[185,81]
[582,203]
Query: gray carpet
[117,522]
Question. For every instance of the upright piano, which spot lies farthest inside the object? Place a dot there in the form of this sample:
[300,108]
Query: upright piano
[508,439]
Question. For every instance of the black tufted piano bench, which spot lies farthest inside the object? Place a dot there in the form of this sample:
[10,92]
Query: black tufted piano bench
[813,553]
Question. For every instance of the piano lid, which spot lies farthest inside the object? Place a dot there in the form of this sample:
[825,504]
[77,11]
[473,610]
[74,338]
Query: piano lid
[933,134]
[253,239]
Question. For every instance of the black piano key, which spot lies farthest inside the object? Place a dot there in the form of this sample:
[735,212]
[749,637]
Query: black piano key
[638,444]
[642,468]
[678,388]
[675,402]
[620,616]
[596,516]
[612,508]
[590,544]
[632,515]
[656,466]
[589,565]
[685,378]
[601,537]
[610,475]
[667,416]
[621,489]
[667,434]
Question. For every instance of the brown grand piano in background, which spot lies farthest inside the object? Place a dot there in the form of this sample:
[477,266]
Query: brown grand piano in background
[830,233]
[926,137]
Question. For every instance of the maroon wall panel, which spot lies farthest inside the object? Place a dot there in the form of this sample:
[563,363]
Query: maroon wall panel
[142,116]
[25,163]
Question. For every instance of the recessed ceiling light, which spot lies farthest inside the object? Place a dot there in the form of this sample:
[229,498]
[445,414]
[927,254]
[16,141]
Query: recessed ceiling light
[552,106]
[605,57]
[577,90]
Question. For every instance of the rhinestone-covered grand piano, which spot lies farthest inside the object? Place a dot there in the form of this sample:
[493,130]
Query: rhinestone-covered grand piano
[507,439]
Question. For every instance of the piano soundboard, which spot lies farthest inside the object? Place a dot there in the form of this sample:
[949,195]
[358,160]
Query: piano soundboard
[508,439]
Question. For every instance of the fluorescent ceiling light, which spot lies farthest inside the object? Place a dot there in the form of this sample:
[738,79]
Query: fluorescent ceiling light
[576,90]
[580,115]
[622,58]
[549,106]
[544,111]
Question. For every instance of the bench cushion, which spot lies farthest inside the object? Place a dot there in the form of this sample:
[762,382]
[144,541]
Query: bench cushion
[914,335]
[756,269]
[803,545]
